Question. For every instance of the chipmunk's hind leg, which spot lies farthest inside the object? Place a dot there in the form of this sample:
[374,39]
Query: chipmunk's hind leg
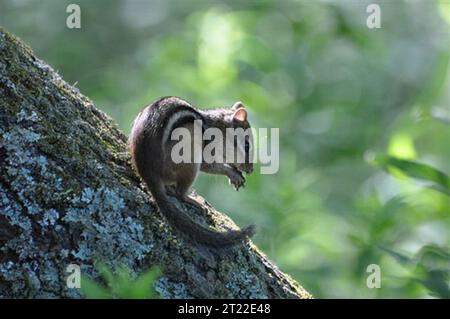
[183,186]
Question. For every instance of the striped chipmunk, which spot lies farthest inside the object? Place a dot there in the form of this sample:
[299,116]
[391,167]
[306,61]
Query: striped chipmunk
[154,149]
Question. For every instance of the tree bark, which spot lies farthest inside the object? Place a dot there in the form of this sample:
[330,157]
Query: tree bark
[68,195]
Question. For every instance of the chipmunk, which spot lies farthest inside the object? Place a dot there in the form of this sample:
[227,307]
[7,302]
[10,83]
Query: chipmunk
[151,146]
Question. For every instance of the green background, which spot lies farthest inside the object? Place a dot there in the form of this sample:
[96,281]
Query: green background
[345,97]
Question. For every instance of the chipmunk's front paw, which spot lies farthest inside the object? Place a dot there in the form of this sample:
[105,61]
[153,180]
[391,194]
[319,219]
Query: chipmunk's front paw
[237,179]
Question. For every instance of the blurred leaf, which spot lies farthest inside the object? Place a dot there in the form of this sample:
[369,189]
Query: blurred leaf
[143,285]
[400,258]
[437,281]
[440,180]
[432,268]
[105,272]
[92,290]
[121,285]
[433,256]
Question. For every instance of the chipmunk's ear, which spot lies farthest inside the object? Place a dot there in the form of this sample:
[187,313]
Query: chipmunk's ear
[238,105]
[240,115]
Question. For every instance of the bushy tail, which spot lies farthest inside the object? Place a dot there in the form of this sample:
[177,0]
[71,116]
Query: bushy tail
[193,230]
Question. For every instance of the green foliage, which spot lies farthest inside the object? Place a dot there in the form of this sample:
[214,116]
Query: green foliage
[120,284]
[439,180]
[429,267]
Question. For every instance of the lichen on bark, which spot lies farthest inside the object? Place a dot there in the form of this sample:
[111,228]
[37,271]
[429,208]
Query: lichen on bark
[68,195]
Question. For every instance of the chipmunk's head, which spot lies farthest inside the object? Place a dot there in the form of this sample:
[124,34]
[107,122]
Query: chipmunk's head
[239,139]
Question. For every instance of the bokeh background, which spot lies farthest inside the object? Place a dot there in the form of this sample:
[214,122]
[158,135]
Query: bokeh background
[360,111]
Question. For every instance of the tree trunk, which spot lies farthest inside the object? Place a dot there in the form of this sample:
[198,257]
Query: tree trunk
[68,195]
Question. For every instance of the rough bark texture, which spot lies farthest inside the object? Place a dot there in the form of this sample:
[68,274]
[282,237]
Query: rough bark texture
[69,195]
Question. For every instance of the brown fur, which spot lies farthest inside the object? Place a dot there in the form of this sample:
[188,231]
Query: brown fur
[151,159]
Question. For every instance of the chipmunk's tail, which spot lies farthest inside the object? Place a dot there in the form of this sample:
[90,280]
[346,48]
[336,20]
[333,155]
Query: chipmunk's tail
[193,230]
